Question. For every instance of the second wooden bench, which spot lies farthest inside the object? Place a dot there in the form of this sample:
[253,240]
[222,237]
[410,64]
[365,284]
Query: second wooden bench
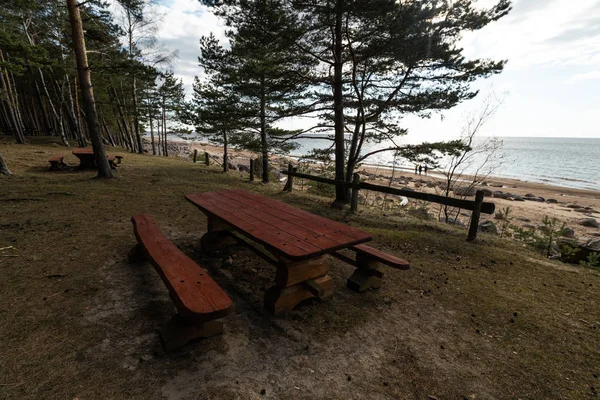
[198,298]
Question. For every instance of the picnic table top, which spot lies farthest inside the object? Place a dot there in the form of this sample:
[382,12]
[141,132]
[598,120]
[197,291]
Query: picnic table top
[83,151]
[295,233]
[87,151]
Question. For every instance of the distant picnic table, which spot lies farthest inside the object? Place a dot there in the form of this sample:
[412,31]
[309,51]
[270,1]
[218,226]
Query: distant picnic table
[294,240]
[87,160]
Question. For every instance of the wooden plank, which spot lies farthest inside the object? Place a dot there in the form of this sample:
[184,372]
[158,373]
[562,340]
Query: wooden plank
[195,294]
[381,256]
[256,230]
[279,239]
[486,208]
[244,219]
[318,235]
[335,227]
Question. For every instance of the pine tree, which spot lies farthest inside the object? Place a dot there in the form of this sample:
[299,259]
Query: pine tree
[87,92]
[216,114]
[377,60]
[268,72]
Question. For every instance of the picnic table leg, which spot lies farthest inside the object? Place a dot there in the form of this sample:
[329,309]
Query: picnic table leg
[298,281]
[87,162]
[217,235]
[366,275]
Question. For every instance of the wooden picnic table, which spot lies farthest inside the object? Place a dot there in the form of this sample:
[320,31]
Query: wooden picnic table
[87,160]
[297,241]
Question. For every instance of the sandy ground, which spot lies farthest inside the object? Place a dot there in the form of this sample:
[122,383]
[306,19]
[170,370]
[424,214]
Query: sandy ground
[524,213]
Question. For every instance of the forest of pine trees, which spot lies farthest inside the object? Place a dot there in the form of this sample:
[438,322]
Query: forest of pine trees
[40,94]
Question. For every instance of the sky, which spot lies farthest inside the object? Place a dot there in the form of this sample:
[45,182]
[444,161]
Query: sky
[550,86]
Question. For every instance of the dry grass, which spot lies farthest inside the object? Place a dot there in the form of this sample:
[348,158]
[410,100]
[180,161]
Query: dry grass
[483,320]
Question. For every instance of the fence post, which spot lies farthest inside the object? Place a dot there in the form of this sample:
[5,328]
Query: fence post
[290,182]
[252,170]
[354,200]
[475,216]
[195,154]
[206,159]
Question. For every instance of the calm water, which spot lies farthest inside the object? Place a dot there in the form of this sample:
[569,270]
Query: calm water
[568,162]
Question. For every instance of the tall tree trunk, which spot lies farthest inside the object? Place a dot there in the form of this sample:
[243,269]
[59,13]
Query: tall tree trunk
[87,92]
[78,111]
[225,162]
[123,120]
[159,134]
[57,117]
[151,131]
[340,159]
[45,120]
[136,122]
[11,111]
[15,95]
[130,128]
[74,115]
[111,140]
[263,133]
[164,122]
[3,167]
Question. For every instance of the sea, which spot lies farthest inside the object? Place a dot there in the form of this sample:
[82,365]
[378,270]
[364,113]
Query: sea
[566,162]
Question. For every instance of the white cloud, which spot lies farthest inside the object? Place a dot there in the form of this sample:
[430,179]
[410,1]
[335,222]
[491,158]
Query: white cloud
[535,33]
[586,76]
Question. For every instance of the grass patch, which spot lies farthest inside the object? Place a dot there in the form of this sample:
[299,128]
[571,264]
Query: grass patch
[489,319]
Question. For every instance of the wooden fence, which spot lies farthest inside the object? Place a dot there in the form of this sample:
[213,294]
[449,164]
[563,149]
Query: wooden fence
[476,206]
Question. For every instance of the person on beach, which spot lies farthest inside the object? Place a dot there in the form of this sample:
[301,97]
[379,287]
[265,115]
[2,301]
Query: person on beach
[416,168]
[420,169]
[425,168]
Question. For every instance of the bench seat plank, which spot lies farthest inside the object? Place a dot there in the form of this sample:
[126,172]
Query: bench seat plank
[195,294]
[381,256]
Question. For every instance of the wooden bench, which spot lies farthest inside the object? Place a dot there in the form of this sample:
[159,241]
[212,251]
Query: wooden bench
[367,276]
[198,298]
[56,162]
[112,162]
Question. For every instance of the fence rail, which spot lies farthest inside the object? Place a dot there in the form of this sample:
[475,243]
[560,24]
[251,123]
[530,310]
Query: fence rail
[477,206]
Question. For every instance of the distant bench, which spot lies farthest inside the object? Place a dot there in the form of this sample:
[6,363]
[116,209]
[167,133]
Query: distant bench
[56,162]
[197,297]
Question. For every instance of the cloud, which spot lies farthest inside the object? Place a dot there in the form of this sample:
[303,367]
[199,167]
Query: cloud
[182,25]
[586,75]
[542,33]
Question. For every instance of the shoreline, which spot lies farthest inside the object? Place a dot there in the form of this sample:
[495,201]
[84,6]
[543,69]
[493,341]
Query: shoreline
[246,154]
[567,204]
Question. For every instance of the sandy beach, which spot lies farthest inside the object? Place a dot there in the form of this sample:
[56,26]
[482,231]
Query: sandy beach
[568,205]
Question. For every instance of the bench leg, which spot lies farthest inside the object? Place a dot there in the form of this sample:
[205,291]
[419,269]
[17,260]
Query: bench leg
[366,276]
[364,279]
[178,332]
[279,299]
